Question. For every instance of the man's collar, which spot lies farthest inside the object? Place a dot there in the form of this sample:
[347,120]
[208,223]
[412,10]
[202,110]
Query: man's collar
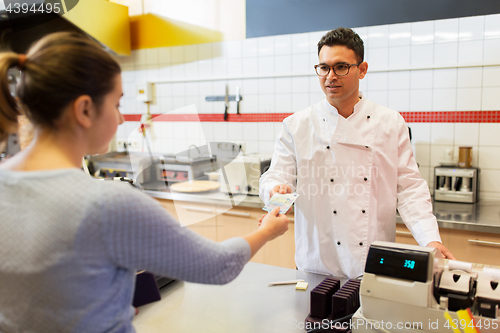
[330,108]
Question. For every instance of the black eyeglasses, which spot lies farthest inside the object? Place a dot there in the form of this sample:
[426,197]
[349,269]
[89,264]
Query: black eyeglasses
[339,69]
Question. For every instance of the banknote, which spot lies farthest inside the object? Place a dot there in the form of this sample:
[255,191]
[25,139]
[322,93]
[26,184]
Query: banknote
[283,201]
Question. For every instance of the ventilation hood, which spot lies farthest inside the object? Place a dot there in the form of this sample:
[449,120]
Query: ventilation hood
[104,21]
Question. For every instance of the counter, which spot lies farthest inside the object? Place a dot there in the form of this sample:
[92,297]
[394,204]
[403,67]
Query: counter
[245,305]
[483,216]
[211,197]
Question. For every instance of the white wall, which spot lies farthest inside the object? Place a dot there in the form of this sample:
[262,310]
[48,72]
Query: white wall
[443,65]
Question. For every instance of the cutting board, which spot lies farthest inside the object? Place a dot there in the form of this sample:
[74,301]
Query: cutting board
[195,186]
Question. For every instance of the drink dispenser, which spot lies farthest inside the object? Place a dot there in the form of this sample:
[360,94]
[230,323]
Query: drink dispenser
[456,184]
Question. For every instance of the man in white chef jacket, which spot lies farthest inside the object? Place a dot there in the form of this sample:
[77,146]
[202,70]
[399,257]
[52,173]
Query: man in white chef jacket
[351,162]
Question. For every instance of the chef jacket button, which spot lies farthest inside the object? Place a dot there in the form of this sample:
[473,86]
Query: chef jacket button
[331,180]
[365,179]
[327,147]
[363,211]
[367,117]
[334,212]
[338,243]
[360,243]
[324,119]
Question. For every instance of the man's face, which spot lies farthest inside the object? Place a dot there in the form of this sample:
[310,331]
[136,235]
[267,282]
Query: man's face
[341,90]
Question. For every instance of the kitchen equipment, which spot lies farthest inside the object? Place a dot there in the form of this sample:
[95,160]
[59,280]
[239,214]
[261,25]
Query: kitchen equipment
[193,164]
[213,176]
[226,99]
[456,184]
[448,158]
[238,100]
[181,168]
[408,288]
[465,157]
[193,186]
[120,164]
[226,102]
[243,174]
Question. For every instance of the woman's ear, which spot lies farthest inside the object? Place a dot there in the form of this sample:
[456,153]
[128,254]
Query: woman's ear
[83,109]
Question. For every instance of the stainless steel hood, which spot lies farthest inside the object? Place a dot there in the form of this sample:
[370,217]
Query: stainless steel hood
[106,22]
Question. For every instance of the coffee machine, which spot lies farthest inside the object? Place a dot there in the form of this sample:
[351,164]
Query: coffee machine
[454,184]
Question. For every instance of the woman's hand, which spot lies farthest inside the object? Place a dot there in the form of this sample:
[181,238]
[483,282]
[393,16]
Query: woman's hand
[274,222]
[271,226]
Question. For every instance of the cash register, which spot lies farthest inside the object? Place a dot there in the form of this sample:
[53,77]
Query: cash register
[407,288]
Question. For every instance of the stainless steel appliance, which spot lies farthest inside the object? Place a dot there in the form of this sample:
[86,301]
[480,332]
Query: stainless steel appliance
[148,171]
[118,164]
[179,168]
[456,184]
[243,173]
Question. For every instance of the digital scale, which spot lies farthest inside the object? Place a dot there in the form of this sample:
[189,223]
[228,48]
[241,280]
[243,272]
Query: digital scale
[407,288]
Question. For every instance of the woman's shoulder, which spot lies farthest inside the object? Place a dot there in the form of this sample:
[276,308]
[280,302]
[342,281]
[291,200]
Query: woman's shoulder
[102,193]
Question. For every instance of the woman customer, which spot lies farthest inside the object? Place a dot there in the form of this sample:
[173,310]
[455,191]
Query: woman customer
[70,245]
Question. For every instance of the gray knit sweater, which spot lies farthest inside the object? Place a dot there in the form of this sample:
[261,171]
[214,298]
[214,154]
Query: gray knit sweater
[70,246]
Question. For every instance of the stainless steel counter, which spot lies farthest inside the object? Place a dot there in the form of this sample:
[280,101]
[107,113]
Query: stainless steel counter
[483,216]
[212,197]
[245,305]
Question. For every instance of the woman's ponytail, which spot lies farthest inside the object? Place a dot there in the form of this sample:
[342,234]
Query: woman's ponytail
[9,108]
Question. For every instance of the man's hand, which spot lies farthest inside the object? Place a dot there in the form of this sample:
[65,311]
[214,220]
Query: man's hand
[444,251]
[281,189]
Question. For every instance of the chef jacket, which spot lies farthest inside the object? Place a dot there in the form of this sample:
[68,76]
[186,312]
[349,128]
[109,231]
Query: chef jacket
[351,175]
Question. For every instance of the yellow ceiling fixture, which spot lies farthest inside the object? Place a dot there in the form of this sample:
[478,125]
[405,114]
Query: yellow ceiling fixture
[151,31]
[105,21]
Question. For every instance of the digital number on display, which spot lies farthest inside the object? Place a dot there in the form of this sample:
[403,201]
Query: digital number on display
[407,263]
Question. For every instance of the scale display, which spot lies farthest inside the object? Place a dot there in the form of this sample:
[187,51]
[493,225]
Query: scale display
[399,263]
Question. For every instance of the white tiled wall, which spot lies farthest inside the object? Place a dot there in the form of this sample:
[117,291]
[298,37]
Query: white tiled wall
[443,65]
[431,140]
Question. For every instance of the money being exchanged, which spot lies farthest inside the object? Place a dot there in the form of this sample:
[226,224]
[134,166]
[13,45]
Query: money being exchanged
[283,201]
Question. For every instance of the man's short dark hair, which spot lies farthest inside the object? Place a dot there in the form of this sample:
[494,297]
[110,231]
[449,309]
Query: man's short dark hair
[345,37]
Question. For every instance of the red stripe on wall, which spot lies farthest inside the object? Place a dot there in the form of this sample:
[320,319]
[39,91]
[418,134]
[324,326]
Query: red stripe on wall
[452,117]
[410,117]
[214,117]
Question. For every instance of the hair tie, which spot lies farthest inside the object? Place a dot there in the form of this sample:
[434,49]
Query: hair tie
[20,61]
